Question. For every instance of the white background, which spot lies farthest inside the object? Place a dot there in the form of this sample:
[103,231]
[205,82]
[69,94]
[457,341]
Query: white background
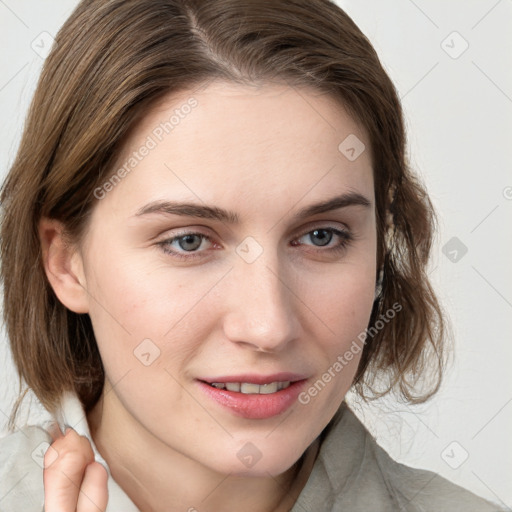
[459,113]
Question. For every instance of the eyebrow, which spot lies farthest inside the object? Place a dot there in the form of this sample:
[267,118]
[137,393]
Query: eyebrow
[230,217]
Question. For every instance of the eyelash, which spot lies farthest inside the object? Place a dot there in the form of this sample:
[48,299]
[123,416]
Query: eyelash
[345,239]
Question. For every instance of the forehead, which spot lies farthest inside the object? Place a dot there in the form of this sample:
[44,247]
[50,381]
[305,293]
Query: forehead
[228,142]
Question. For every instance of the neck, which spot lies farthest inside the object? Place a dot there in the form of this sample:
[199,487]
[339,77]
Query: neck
[154,475]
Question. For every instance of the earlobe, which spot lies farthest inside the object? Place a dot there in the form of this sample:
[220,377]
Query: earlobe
[63,266]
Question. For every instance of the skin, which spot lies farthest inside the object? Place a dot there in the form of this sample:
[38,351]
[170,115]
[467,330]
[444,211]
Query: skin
[72,479]
[264,152]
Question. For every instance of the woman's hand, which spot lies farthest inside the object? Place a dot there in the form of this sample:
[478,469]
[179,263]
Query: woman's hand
[73,480]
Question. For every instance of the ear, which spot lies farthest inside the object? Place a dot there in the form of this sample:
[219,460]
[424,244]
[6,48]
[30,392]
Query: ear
[63,266]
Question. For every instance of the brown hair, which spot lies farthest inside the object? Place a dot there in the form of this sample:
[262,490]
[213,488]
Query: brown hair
[113,59]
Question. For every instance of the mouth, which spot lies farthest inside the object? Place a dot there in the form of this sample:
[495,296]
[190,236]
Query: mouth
[250,388]
[253,396]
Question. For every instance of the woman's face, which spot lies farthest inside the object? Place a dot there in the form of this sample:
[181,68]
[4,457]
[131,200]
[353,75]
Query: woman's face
[247,286]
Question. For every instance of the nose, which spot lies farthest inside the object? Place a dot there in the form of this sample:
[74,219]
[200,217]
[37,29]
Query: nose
[261,307]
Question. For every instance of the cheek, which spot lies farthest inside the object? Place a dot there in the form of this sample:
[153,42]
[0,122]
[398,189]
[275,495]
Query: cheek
[139,309]
[342,301]
[344,310]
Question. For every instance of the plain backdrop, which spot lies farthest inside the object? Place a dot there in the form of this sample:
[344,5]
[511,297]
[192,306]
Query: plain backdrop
[451,64]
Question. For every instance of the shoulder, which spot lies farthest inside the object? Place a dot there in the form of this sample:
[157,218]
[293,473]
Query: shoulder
[21,469]
[361,476]
[425,491]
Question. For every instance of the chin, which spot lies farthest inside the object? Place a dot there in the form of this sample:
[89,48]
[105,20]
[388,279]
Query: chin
[261,458]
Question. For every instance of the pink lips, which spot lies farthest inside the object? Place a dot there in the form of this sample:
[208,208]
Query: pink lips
[255,406]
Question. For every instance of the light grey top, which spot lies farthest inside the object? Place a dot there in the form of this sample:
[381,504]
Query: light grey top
[352,473]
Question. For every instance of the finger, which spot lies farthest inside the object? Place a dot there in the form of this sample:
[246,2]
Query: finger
[93,495]
[64,473]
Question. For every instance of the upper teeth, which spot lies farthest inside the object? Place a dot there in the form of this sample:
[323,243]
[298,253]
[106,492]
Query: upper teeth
[249,388]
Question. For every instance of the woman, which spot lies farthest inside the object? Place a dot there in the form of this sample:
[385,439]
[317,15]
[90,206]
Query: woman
[220,236]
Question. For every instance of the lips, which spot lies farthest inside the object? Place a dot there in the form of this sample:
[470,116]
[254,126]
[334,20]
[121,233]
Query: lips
[254,396]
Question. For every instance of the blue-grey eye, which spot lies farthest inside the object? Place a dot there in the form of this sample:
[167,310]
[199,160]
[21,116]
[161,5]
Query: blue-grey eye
[324,236]
[190,242]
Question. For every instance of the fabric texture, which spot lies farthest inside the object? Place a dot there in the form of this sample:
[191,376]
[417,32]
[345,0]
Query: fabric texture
[352,473]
